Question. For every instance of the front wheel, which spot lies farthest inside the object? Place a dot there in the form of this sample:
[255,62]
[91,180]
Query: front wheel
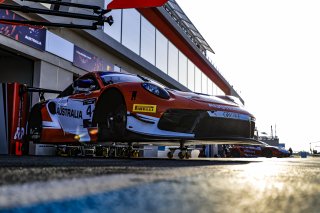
[267,153]
[181,155]
[113,121]
[170,155]
[188,155]
[235,153]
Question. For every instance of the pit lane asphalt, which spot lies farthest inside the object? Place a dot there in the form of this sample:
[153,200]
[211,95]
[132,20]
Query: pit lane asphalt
[57,184]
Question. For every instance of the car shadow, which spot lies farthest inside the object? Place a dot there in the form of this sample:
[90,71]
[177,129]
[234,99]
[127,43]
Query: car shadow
[55,161]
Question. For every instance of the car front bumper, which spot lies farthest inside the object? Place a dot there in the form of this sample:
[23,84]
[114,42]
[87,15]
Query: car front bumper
[194,125]
[208,124]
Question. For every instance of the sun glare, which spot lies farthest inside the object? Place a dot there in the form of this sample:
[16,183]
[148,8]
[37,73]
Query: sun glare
[259,175]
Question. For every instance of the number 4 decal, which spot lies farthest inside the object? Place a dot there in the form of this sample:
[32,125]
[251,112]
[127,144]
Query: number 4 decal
[89,111]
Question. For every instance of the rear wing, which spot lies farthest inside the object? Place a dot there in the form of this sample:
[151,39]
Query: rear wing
[40,91]
[98,16]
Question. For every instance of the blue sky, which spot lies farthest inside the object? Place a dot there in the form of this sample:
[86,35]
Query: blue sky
[269,50]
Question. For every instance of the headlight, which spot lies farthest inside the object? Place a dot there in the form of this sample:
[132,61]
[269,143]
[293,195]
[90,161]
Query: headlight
[156,90]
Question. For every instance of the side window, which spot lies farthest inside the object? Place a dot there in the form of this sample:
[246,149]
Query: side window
[85,84]
[90,82]
[66,92]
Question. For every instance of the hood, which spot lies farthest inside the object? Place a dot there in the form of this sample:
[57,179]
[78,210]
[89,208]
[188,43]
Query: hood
[217,102]
[283,150]
[204,98]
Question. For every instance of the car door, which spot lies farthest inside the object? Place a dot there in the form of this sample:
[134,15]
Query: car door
[75,112]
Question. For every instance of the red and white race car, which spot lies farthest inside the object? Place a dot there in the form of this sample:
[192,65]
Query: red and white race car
[263,150]
[118,107]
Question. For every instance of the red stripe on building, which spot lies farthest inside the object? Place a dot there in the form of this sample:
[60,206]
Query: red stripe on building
[123,4]
[154,16]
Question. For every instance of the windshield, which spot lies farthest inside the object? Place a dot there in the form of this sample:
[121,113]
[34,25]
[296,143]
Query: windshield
[113,78]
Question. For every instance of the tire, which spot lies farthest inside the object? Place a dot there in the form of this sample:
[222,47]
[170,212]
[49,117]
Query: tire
[181,155]
[135,154]
[267,153]
[188,155]
[235,153]
[113,121]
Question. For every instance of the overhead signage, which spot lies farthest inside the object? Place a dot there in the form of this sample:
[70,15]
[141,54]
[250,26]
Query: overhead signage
[88,61]
[34,37]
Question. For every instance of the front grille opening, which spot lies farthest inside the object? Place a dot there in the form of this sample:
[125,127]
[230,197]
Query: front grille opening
[179,120]
[202,125]
[219,127]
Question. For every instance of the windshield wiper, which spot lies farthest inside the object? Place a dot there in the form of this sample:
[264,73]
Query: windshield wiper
[143,78]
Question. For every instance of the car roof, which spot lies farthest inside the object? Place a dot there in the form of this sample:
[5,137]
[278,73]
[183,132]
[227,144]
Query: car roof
[111,72]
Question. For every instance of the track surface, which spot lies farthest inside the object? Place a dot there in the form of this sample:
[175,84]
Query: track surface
[57,184]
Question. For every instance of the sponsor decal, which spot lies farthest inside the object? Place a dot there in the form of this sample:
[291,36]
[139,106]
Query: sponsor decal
[144,108]
[19,133]
[89,101]
[229,115]
[32,36]
[88,61]
[72,113]
[217,106]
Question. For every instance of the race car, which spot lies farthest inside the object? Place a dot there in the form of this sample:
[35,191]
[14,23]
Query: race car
[246,151]
[263,150]
[118,107]
[273,151]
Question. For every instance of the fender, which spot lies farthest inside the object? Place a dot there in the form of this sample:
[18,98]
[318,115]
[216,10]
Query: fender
[100,105]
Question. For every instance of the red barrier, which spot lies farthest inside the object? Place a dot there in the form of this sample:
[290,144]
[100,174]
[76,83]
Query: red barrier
[18,108]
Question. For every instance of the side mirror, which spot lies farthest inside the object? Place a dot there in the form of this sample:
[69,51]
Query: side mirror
[83,85]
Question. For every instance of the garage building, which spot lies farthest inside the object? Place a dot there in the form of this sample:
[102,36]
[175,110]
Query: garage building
[161,43]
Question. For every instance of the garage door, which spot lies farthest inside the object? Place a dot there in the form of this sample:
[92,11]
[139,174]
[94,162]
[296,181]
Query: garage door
[15,68]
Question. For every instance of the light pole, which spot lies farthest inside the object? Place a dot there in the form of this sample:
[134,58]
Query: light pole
[311,143]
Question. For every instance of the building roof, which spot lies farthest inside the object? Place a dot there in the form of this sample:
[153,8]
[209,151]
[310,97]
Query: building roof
[187,26]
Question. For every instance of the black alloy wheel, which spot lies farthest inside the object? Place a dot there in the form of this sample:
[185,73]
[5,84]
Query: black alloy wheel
[267,153]
[113,121]
[235,153]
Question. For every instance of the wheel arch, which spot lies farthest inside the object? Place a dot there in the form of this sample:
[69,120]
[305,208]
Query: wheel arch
[235,153]
[103,104]
[34,122]
[268,153]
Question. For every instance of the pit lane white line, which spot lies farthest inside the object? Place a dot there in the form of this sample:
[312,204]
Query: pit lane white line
[20,195]
[38,192]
